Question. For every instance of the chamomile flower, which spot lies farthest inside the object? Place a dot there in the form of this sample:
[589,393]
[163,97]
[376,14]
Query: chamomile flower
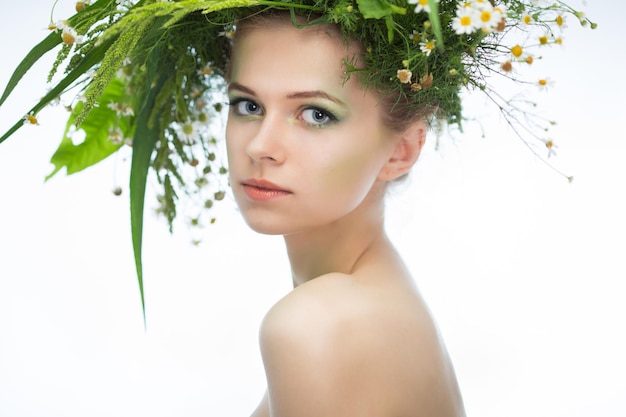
[560,22]
[59,24]
[544,83]
[517,51]
[70,36]
[551,147]
[204,117]
[30,119]
[81,6]
[488,19]
[466,20]
[421,5]
[481,5]
[527,19]
[206,70]
[189,132]
[427,47]
[228,33]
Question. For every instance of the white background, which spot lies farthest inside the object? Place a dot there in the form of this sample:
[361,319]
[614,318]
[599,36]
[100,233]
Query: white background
[524,272]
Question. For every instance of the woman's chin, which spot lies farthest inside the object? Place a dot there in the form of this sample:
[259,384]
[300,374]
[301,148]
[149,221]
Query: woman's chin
[265,227]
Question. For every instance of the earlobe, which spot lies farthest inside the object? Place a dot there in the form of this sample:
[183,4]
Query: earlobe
[407,150]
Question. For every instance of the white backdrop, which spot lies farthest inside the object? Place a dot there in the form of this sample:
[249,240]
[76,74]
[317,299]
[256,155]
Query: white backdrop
[524,272]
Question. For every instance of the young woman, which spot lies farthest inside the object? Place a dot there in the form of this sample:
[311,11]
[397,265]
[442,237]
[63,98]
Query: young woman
[325,111]
[310,157]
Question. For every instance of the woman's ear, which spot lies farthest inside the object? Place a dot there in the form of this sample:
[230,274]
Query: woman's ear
[408,146]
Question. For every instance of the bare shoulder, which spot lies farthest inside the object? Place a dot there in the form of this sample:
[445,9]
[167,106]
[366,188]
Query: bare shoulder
[336,347]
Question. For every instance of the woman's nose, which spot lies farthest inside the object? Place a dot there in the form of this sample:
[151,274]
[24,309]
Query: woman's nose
[267,145]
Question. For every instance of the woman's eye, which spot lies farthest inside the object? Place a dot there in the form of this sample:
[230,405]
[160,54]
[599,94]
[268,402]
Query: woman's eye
[245,107]
[317,117]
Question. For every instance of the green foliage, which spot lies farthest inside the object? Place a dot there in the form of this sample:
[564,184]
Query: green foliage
[96,128]
[166,60]
[31,58]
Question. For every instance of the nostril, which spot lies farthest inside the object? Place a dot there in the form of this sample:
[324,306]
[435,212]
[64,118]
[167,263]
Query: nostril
[266,146]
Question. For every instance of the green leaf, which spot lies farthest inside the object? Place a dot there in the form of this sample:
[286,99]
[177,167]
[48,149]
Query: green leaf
[144,142]
[31,58]
[377,9]
[96,145]
[92,58]
[390,27]
[434,20]
[43,47]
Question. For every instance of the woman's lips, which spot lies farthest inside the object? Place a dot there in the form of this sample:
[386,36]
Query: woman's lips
[262,190]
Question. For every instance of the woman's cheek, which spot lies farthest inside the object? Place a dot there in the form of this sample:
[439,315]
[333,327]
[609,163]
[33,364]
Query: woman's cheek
[351,175]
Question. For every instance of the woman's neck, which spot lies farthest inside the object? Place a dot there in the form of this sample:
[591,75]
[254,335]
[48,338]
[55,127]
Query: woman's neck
[339,246]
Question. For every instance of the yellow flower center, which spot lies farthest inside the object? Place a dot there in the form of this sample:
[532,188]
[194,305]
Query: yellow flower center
[543,83]
[423,2]
[187,129]
[466,21]
[527,19]
[529,59]
[559,20]
[32,119]
[543,40]
[68,38]
[203,117]
[81,5]
[485,16]
[516,51]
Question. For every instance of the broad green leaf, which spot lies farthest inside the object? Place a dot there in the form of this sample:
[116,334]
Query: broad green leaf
[377,9]
[96,145]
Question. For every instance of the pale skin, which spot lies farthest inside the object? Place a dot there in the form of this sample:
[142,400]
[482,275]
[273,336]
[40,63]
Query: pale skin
[354,337]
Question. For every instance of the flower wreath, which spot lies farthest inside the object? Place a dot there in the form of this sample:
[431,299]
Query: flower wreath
[150,74]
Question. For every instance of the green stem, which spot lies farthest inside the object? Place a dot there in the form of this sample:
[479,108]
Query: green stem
[287,5]
[435,22]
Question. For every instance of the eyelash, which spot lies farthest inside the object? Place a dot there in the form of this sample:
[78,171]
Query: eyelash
[330,118]
[234,103]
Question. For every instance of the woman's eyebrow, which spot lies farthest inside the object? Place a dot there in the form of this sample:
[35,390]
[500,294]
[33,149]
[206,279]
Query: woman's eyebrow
[243,89]
[315,94]
[296,95]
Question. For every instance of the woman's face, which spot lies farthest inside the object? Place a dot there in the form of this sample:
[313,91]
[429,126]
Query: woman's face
[304,147]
